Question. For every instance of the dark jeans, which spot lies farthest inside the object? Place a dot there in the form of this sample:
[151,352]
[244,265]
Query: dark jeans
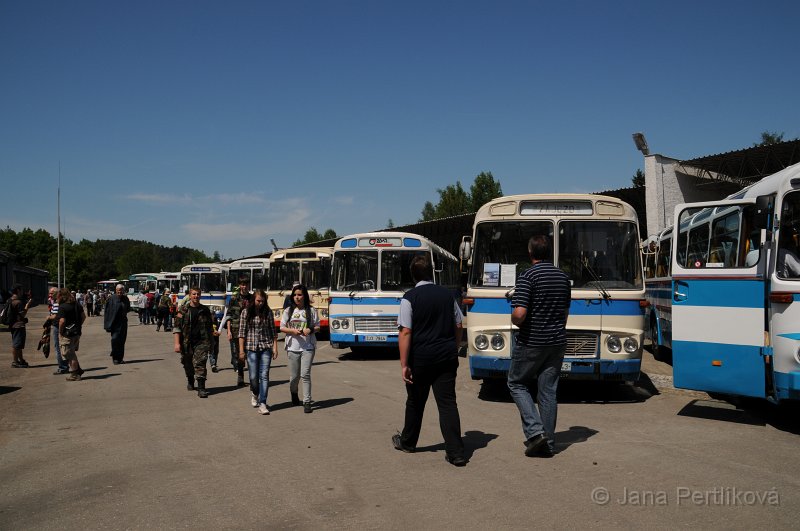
[538,367]
[441,377]
[118,337]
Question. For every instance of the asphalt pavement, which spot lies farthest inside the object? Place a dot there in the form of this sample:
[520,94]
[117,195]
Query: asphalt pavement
[128,447]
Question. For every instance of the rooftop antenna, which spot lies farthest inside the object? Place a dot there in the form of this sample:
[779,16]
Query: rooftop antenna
[274,245]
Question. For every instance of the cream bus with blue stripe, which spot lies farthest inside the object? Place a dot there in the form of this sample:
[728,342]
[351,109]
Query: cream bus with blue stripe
[211,279]
[736,292]
[371,272]
[596,243]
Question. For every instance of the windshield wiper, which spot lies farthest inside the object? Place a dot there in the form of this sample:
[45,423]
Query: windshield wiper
[595,279]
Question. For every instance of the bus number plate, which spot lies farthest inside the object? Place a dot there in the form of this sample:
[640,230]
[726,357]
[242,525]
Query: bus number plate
[374,338]
[566,366]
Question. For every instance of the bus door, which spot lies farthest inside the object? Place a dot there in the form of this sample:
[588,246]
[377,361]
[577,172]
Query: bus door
[718,299]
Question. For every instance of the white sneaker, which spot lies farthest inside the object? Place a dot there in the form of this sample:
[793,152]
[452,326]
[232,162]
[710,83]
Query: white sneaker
[263,409]
[253,401]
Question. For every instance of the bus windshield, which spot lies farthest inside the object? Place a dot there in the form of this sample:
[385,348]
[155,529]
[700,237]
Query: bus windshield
[259,278]
[282,275]
[355,270]
[207,282]
[600,251]
[395,272]
[316,274]
[503,242]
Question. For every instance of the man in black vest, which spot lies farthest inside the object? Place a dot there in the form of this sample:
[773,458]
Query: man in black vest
[430,331]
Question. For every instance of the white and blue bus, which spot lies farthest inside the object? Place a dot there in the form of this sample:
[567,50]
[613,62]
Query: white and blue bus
[736,292]
[370,274]
[596,243]
[656,255]
[255,270]
[212,281]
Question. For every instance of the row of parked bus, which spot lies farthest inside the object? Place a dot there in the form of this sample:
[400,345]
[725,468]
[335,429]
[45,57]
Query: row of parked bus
[724,290]
[720,290]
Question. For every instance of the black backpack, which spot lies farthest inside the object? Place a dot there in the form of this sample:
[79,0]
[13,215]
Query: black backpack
[5,314]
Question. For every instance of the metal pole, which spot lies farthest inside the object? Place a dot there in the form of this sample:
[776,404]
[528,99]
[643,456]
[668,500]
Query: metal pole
[58,238]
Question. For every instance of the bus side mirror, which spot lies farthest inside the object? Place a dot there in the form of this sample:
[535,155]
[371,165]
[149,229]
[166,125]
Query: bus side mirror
[763,214]
[465,250]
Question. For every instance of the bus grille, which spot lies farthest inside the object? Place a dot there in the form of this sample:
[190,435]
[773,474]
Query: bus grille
[581,345]
[375,325]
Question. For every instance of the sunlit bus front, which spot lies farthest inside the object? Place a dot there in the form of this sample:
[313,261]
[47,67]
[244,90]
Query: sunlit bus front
[210,279]
[596,243]
[370,274]
[309,266]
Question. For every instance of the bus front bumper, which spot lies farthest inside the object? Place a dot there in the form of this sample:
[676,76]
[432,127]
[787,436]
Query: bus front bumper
[481,367]
[362,340]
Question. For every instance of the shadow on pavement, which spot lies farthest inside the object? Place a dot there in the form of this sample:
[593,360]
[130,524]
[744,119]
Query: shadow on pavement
[473,440]
[92,369]
[332,402]
[5,389]
[100,376]
[574,435]
[644,382]
[131,362]
[742,410]
[476,440]
[578,392]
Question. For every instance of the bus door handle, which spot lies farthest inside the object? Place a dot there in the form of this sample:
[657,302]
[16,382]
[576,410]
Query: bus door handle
[677,296]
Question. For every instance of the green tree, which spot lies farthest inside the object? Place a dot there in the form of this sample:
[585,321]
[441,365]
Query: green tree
[638,179]
[390,224]
[312,235]
[428,211]
[454,200]
[483,190]
[768,138]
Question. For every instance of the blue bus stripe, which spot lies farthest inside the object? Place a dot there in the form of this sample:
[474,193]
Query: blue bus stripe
[363,301]
[722,293]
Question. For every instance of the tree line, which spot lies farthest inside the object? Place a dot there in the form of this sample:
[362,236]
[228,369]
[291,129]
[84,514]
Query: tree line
[87,262]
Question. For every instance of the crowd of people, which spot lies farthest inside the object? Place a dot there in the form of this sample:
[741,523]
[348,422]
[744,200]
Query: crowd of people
[429,325]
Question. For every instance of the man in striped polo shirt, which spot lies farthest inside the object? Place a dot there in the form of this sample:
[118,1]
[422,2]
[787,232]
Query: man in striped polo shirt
[540,310]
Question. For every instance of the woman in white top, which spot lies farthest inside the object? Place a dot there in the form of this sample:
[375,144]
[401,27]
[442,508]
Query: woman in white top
[300,322]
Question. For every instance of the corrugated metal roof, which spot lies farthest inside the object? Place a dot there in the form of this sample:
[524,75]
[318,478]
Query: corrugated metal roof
[750,164]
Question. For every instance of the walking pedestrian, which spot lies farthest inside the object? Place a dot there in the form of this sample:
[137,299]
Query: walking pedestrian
[115,322]
[300,323]
[17,317]
[540,310]
[52,303]
[430,332]
[193,335]
[164,305]
[240,300]
[70,322]
[257,340]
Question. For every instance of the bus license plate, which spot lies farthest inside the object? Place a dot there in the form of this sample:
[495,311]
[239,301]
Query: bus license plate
[566,366]
[374,338]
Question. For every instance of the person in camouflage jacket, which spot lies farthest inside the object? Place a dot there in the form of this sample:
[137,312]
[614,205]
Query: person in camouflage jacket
[240,300]
[194,339]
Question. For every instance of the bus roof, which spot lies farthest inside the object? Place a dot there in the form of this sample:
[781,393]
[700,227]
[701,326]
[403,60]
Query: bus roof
[555,205]
[388,239]
[302,253]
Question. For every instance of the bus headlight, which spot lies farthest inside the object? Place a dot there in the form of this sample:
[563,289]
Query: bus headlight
[614,344]
[324,313]
[278,314]
[481,342]
[335,324]
[630,345]
[498,342]
[345,323]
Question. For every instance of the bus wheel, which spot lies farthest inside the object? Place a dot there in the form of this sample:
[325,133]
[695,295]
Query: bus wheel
[654,347]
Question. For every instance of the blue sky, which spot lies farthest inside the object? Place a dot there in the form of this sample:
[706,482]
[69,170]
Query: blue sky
[219,125]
